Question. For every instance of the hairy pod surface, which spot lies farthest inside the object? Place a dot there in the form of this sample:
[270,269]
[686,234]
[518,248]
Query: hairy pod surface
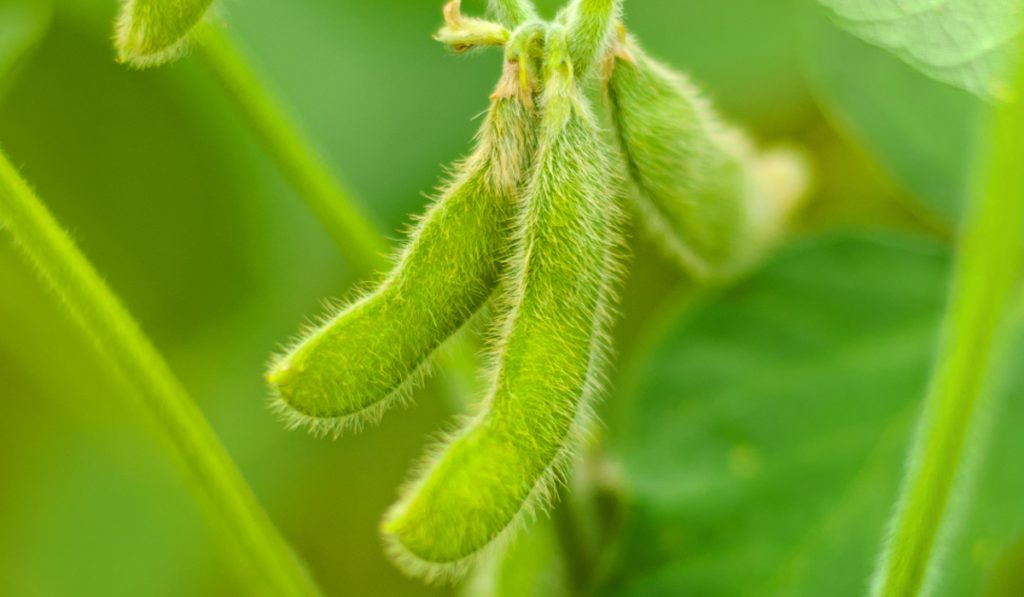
[591,24]
[363,359]
[507,460]
[512,13]
[699,185]
[152,32]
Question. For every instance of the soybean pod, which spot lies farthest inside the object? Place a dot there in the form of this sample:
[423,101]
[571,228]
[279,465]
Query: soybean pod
[363,359]
[590,25]
[697,184]
[558,286]
[513,13]
[152,32]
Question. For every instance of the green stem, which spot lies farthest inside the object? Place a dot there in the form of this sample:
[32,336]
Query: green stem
[267,560]
[985,282]
[305,169]
[513,13]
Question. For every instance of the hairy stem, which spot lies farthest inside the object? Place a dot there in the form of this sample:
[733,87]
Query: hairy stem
[985,282]
[266,559]
[305,169]
[513,13]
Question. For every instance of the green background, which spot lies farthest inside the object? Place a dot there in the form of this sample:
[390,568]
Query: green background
[758,432]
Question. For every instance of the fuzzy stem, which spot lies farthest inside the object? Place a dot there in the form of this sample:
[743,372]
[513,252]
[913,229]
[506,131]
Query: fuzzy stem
[267,561]
[513,13]
[985,282]
[360,241]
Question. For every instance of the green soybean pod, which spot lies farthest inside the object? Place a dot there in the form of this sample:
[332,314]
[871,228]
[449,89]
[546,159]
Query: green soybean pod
[505,462]
[697,184]
[364,359]
[590,24]
[513,13]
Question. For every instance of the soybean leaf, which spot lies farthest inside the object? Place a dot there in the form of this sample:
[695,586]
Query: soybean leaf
[920,130]
[964,43]
[768,431]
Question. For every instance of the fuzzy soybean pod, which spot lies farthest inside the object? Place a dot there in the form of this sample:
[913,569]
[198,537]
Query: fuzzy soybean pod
[591,24]
[513,13]
[364,359]
[698,185]
[151,32]
[505,462]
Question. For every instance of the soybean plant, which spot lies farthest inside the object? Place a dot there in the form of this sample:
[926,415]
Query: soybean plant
[531,223]
[552,338]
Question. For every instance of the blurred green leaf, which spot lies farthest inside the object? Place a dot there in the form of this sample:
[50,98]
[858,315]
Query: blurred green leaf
[920,130]
[756,414]
[965,43]
[766,442]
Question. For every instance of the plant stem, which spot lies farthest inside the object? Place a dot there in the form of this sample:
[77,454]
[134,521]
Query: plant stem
[305,169]
[513,13]
[985,282]
[267,561]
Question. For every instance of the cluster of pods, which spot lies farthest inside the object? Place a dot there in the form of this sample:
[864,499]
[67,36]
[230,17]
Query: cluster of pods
[531,226]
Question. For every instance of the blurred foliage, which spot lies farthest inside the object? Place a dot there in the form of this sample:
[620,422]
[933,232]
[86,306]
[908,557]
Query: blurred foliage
[731,452]
[773,395]
[923,131]
[966,43]
[766,439]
